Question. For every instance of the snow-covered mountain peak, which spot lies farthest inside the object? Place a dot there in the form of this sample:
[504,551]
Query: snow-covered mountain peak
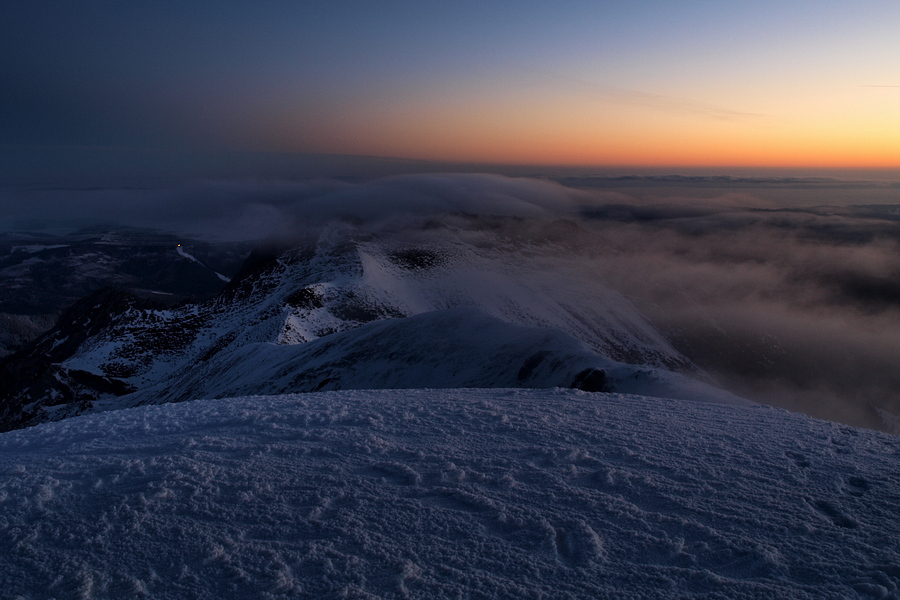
[535,274]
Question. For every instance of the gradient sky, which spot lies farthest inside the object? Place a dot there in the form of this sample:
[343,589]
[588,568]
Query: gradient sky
[762,83]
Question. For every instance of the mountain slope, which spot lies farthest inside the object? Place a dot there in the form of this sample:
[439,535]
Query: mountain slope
[524,272]
[453,493]
[459,347]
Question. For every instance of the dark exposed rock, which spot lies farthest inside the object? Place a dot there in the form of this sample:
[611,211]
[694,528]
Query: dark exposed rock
[104,385]
[33,376]
[590,380]
[306,298]
[358,309]
[416,258]
[531,363]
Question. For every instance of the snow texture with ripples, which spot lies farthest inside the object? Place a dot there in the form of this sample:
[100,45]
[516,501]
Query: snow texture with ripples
[449,494]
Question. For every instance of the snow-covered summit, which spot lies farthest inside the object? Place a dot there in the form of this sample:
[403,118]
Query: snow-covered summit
[449,494]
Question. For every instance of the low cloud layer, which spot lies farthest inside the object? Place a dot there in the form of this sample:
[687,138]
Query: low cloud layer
[793,307]
[242,211]
[785,291]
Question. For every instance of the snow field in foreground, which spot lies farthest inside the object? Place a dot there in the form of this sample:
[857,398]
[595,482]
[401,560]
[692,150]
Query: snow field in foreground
[449,494]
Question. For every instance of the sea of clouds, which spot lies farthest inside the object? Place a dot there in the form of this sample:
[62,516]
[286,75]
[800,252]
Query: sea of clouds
[784,290]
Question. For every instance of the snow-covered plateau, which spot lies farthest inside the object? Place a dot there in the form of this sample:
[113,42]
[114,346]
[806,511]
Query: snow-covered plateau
[449,494]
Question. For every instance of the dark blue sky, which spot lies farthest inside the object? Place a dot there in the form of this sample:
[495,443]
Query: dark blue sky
[645,83]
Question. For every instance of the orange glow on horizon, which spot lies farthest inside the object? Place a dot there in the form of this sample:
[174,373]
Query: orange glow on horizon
[662,149]
[563,132]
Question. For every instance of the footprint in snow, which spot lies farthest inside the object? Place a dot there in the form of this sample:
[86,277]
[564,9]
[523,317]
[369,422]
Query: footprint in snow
[833,513]
[577,544]
[393,473]
[799,459]
[857,486]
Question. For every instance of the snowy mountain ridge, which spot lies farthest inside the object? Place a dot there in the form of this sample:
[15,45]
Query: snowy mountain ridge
[457,347]
[519,273]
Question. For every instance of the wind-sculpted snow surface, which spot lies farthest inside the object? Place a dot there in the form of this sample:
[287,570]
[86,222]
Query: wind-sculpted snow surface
[449,494]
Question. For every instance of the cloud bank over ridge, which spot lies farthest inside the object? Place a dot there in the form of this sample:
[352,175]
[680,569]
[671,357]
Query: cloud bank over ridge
[784,290]
[252,210]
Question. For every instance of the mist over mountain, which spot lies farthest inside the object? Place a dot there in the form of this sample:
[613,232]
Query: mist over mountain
[782,290]
[445,301]
[797,307]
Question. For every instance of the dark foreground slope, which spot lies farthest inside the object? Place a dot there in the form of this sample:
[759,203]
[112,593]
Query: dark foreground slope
[449,494]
